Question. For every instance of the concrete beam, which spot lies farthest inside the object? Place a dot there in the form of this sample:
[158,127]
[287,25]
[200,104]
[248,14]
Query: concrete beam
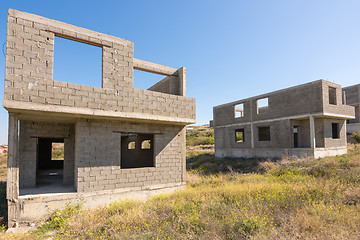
[77,112]
[154,68]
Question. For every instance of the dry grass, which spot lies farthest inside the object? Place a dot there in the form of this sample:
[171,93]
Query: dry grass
[303,199]
[3,163]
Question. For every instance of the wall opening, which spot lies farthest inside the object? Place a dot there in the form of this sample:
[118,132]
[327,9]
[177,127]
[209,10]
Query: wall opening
[146,144]
[156,82]
[50,161]
[335,130]
[239,135]
[142,153]
[144,80]
[239,110]
[332,95]
[264,133]
[131,145]
[77,62]
[296,136]
[57,151]
[262,105]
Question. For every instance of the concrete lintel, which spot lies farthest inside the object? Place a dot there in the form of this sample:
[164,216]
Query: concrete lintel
[80,40]
[154,68]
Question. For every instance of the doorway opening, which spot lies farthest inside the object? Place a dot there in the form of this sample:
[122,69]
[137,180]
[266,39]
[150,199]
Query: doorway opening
[296,136]
[50,161]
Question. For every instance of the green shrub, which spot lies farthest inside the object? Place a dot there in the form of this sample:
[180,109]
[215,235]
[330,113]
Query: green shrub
[356,136]
[201,136]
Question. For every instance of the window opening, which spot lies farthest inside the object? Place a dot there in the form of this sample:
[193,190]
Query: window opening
[335,130]
[146,144]
[239,135]
[145,80]
[131,145]
[262,105]
[264,133]
[332,95]
[77,62]
[156,82]
[142,155]
[239,110]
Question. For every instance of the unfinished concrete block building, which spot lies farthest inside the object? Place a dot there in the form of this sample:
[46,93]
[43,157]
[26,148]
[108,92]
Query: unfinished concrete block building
[352,94]
[118,140]
[306,120]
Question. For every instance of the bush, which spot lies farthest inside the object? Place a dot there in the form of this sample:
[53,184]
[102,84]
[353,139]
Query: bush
[201,136]
[356,136]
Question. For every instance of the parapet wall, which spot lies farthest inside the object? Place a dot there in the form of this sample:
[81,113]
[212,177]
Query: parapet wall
[29,83]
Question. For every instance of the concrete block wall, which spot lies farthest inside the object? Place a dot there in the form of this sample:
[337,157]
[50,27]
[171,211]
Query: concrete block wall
[286,108]
[167,85]
[29,132]
[352,94]
[329,141]
[281,134]
[29,82]
[299,100]
[340,108]
[305,99]
[99,155]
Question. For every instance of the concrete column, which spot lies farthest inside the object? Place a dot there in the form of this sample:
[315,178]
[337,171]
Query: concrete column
[312,132]
[183,155]
[252,126]
[69,152]
[182,81]
[12,190]
[252,136]
[76,156]
[13,158]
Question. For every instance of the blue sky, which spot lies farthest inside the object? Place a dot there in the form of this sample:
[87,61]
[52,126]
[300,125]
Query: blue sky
[231,49]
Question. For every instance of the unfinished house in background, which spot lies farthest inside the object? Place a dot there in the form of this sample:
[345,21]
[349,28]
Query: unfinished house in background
[306,120]
[352,94]
[118,141]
